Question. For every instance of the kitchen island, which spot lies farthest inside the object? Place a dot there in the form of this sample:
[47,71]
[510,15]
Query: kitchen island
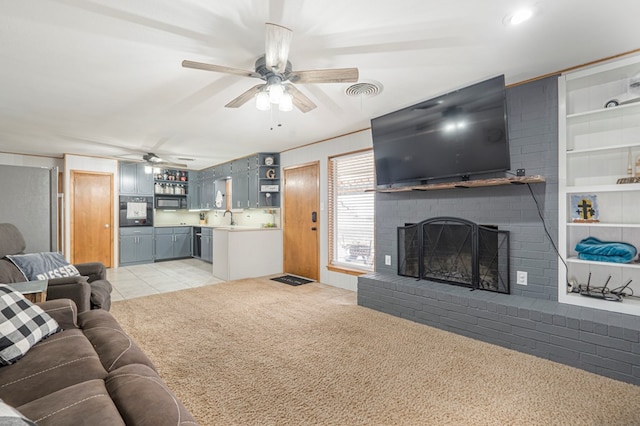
[246,252]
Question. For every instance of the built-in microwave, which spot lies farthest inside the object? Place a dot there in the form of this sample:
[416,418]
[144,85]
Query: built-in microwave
[136,211]
[169,202]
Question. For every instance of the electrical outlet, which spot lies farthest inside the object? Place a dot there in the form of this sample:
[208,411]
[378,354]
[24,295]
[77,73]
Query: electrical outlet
[521,278]
[387,259]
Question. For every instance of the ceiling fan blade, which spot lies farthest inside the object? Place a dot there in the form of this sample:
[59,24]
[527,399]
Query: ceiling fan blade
[154,160]
[277,43]
[245,97]
[336,75]
[300,100]
[219,68]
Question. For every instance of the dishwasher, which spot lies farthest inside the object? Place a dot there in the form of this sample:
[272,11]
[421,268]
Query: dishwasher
[197,242]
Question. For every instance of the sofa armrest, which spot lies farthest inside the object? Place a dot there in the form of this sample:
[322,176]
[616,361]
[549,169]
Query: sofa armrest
[64,311]
[94,270]
[74,288]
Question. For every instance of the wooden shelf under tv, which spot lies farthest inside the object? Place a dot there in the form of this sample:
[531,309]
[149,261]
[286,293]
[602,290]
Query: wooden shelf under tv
[477,183]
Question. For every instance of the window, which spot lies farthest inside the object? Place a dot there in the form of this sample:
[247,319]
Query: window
[351,210]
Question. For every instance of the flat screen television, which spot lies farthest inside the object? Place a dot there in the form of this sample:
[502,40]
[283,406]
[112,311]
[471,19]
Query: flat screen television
[461,133]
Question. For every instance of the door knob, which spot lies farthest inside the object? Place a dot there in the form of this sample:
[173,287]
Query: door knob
[106,225]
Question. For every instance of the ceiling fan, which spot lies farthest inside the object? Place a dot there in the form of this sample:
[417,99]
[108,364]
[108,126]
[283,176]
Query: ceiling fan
[155,161]
[277,72]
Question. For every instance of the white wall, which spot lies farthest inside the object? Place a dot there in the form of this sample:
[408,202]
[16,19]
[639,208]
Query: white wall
[31,161]
[90,164]
[321,152]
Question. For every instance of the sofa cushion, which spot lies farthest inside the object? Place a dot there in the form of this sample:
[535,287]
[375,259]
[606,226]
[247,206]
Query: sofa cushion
[22,325]
[9,416]
[62,360]
[43,266]
[114,347]
[86,403]
[143,399]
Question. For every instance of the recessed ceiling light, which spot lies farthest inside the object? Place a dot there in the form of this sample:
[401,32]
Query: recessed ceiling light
[518,17]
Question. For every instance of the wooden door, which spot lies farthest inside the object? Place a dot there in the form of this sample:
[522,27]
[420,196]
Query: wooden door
[301,232]
[91,201]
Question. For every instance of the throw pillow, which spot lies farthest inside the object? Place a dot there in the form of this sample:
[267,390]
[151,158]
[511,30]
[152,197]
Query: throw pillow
[43,266]
[22,325]
[9,416]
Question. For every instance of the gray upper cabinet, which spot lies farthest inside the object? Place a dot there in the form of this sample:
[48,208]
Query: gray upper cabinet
[240,189]
[134,180]
[195,190]
[255,183]
[208,196]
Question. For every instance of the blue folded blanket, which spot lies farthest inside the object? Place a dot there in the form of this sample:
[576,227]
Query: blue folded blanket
[592,248]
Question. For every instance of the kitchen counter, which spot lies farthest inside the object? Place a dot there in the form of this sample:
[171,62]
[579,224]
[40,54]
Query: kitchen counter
[222,227]
[241,252]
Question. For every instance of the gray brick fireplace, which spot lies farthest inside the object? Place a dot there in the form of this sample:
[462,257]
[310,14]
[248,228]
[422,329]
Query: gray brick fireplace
[529,319]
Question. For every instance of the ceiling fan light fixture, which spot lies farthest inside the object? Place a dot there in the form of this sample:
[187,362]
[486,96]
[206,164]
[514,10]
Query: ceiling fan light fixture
[275,93]
[286,103]
[263,102]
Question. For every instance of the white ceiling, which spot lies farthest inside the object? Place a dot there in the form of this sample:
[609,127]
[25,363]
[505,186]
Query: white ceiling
[104,77]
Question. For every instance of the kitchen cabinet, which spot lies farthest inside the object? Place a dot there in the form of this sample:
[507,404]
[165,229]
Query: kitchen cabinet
[136,245]
[195,190]
[208,196]
[240,189]
[134,180]
[599,163]
[223,171]
[172,242]
[206,247]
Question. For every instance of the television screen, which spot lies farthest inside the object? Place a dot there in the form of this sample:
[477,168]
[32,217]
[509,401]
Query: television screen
[461,133]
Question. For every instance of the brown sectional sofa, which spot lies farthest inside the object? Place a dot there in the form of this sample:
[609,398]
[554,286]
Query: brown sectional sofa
[90,373]
[89,290]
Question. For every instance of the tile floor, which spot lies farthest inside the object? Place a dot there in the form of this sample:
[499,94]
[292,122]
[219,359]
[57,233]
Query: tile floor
[161,277]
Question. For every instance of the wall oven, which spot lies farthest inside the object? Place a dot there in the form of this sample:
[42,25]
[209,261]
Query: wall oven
[136,211]
[169,202]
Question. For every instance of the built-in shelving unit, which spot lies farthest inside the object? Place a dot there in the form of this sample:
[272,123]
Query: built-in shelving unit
[171,182]
[597,147]
[476,183]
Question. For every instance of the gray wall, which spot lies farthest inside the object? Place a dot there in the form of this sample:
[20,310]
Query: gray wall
[533,133]
[28,202]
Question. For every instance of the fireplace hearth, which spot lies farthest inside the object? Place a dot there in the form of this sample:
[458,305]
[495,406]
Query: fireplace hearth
[455,251]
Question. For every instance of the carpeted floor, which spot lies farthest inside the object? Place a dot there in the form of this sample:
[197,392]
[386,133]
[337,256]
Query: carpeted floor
[256,352]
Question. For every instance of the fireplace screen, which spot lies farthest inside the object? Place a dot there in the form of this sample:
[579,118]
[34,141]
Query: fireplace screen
[455,251]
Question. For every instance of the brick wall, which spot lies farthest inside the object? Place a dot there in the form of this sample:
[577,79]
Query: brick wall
[533,134]
[530,319]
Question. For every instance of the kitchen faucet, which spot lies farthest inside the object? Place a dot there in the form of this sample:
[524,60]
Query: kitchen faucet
[231,213]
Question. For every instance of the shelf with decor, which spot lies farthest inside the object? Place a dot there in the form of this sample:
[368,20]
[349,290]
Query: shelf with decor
[171,182]
[265,181]
[599,184]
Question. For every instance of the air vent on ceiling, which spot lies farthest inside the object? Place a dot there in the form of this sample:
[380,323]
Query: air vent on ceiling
[186,159]
[368,89]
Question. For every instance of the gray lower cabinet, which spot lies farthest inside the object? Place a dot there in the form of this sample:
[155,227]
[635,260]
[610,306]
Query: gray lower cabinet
[136,245]
[173,242]
[206,245]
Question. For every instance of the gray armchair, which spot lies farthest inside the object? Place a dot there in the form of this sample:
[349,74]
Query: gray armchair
[90,290]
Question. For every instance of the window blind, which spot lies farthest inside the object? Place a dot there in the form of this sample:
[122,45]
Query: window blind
[351,210]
